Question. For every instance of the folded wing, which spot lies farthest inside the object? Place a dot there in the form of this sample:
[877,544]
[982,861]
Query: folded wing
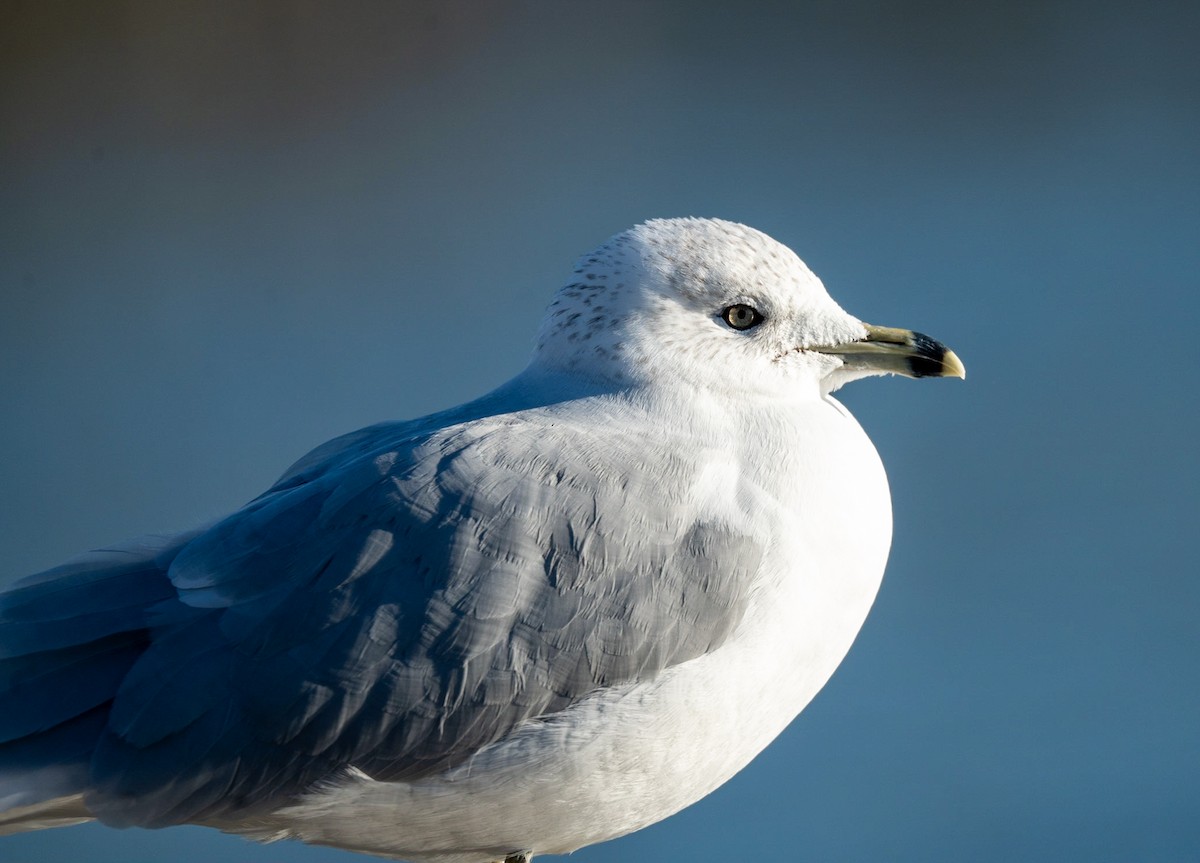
[394,610]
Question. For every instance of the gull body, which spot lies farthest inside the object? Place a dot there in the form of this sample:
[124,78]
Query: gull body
[537,621]
[628,756]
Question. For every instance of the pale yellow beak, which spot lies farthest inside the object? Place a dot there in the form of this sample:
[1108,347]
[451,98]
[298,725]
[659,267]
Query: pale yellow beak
[888,350]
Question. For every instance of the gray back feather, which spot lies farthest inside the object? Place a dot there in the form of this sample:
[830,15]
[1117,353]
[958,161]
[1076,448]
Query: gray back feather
[403,598]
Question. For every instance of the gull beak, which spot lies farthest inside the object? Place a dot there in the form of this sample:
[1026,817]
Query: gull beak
[887,350]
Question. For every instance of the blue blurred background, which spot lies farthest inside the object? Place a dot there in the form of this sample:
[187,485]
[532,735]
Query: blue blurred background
[232,231]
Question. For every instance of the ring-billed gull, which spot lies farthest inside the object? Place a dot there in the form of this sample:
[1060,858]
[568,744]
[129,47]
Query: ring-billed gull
[542,619]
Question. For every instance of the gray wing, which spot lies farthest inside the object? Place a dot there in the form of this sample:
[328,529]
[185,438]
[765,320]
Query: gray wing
[400,611]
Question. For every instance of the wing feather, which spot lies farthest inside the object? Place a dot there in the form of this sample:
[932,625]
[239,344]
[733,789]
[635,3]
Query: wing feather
[399,602]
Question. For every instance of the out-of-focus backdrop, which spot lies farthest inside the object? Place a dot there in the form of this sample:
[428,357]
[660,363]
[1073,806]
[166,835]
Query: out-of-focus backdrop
[232,231]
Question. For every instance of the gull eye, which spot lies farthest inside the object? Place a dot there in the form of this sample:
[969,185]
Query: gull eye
[742,316]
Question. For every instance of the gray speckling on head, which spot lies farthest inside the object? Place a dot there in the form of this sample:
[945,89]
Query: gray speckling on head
[583,309]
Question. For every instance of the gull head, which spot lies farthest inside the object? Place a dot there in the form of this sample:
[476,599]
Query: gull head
[720,306]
